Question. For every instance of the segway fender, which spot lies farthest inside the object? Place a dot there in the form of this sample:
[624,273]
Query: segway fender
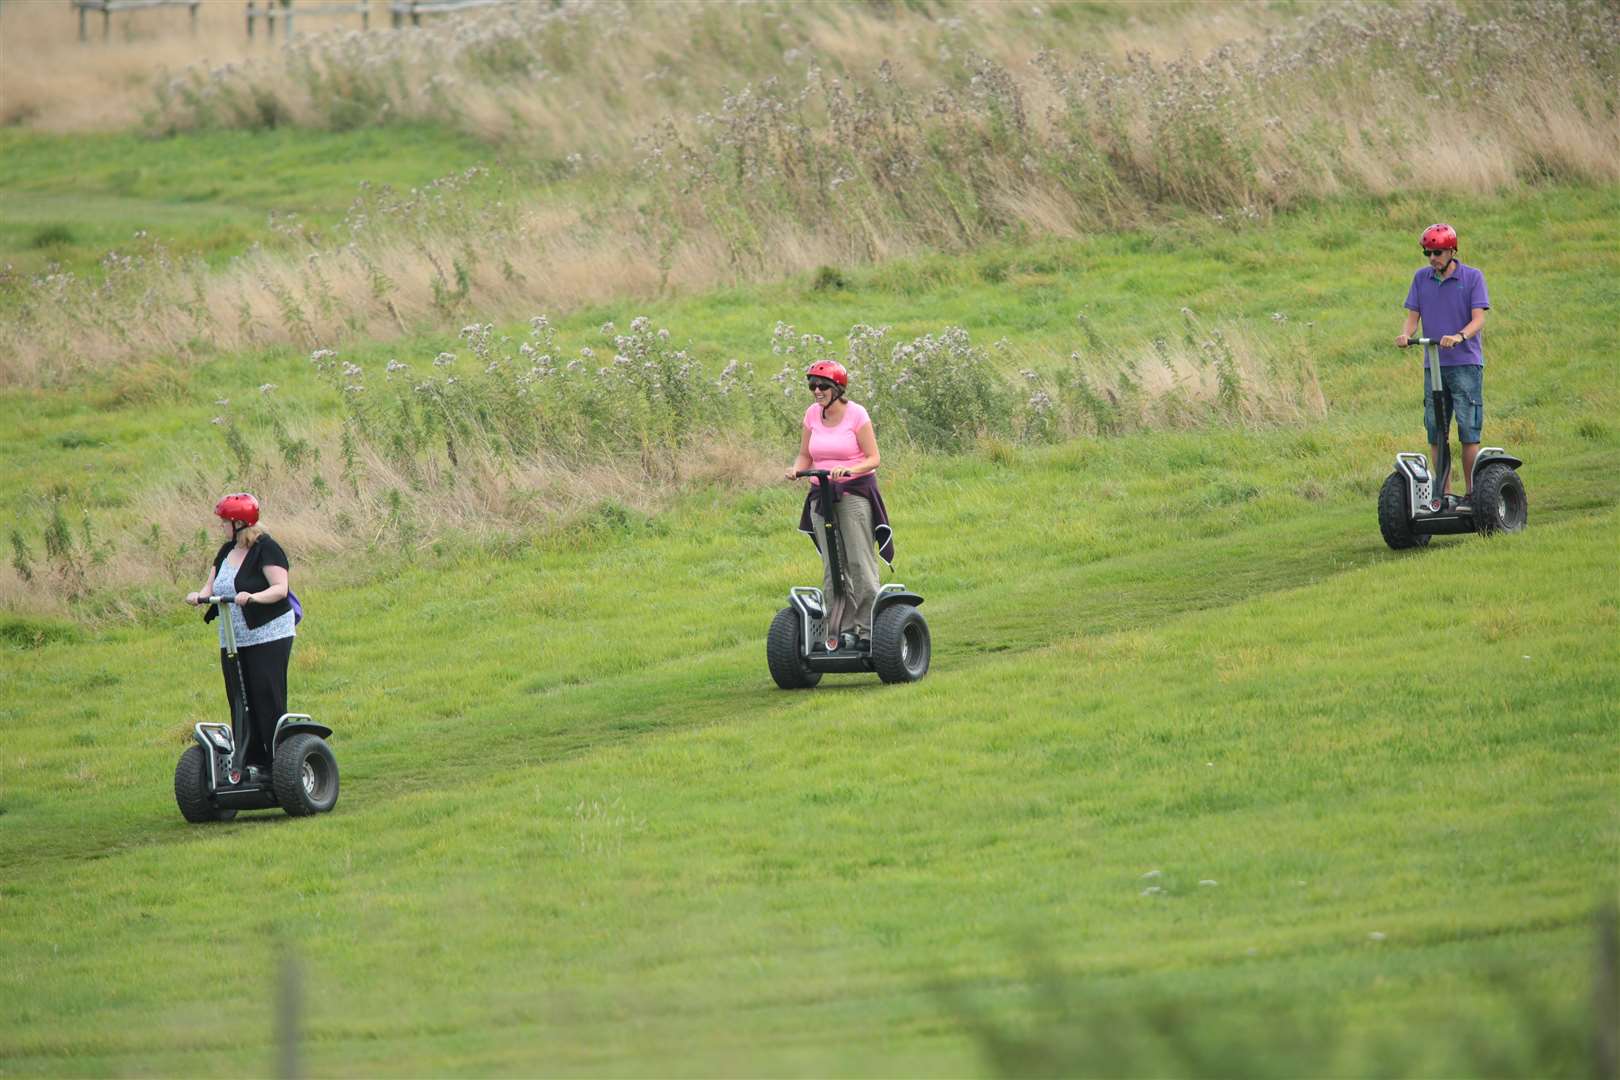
[896,596]
[1493,455]
[292,723]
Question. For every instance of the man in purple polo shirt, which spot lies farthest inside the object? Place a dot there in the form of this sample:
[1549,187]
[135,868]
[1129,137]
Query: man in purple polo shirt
[1449,299]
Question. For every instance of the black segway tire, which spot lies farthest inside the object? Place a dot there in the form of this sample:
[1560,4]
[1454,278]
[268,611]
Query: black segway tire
[1499,501]
[191,789]
[782,653]
[1395,515]
[305,775]
[900,644]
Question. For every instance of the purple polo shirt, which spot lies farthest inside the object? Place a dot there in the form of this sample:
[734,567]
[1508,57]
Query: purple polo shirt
[1445,308]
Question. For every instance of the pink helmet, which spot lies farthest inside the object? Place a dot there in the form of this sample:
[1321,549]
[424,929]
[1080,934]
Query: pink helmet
[1440,237]
[240,507]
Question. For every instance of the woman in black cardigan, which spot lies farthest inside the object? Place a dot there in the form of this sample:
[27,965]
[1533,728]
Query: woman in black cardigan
[252,567]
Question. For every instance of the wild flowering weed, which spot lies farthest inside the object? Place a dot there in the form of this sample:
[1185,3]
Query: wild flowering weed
[521,431]
[936,391]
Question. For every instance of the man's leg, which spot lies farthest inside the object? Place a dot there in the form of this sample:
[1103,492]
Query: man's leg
[1434,460]
[1466,387]
[1436,433]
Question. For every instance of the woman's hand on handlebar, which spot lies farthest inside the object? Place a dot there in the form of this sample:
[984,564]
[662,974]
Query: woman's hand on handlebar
[242,599]
[839,474]
[194,598]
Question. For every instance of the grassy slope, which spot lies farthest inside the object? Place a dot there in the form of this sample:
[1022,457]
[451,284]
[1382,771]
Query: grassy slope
[581,832]
[207,194]
[1549,257]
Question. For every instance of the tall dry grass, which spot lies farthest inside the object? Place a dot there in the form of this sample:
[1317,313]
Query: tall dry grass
[828,163]
[50,81]
[565,74]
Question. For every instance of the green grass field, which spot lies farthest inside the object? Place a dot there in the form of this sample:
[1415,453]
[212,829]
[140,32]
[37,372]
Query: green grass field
[68,200]
[1204,780]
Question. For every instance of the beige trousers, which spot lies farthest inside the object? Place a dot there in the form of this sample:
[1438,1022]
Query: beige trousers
[860,566]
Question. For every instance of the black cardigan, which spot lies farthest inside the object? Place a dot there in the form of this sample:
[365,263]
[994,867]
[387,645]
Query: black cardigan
[250,577]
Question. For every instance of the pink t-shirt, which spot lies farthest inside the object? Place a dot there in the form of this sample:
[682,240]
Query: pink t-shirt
[836,447]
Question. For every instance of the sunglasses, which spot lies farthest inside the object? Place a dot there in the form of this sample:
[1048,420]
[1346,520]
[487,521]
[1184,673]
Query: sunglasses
[1432,252]
[821,384]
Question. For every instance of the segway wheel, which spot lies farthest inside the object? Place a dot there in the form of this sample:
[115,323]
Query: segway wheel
[782,653]
[191,789]
[1395,515]
[900,644]
[305,775]
[1499,500]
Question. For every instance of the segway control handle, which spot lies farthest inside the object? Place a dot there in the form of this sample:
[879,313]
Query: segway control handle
[819,474]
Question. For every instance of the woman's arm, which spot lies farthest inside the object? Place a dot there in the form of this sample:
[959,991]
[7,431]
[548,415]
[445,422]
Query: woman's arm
[277,577]
[207,590]
[866,439]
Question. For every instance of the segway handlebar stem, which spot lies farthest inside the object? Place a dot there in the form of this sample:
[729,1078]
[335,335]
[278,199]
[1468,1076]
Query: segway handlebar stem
[829,524]
[229,628]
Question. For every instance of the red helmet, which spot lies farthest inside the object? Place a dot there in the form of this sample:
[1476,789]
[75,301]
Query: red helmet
[239,507]
[1441,237]
[829,369]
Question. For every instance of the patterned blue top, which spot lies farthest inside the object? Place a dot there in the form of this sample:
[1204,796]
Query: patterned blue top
[274,630]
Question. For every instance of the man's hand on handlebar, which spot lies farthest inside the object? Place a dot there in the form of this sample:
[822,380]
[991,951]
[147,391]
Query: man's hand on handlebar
[1451,341]
[1403,341]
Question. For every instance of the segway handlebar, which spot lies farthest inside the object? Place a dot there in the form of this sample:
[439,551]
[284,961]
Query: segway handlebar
[819,474]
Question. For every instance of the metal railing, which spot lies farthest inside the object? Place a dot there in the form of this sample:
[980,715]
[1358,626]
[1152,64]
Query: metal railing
[413,10]
[284,12]
[109,7]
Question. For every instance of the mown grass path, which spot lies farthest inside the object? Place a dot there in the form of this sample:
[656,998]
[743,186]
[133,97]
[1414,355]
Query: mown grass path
[580,831]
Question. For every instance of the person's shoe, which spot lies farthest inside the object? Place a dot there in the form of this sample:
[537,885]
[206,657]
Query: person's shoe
[1465,505]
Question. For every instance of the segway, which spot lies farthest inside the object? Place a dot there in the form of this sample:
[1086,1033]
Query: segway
[1413,504]
[211,782]
[801,646]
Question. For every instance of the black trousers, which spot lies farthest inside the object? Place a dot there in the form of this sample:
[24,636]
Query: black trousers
[264,668]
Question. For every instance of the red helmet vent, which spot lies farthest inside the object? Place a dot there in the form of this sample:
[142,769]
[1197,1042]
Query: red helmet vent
[831,370]
[240,507]
[1440,236]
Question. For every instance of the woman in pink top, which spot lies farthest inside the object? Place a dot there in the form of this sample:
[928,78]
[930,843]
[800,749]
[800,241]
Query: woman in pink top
[838,437]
